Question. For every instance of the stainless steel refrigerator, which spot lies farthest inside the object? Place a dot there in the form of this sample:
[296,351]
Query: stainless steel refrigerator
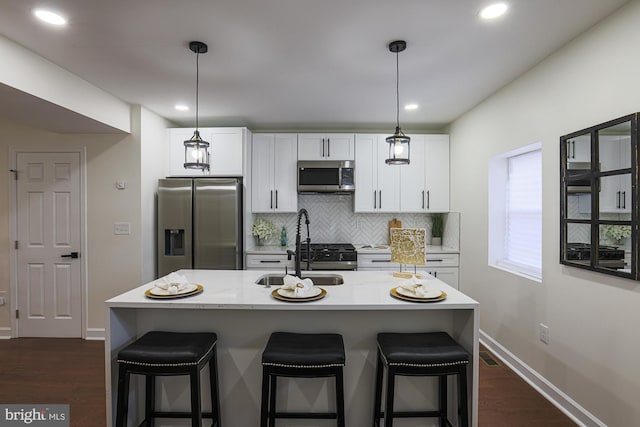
[199,224]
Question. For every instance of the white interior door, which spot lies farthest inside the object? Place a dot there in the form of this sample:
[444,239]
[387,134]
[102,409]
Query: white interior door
[49,283]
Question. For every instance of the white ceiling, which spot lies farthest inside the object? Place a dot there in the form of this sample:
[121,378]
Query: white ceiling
[300,64]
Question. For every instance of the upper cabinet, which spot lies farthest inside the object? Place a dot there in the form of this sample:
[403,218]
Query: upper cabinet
[330,146]
[377,184]
[420,186]
[273,173]
[599,198]
[425,180]
[226,151]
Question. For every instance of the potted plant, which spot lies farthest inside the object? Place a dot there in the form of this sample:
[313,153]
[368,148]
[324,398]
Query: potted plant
[437,227]
[262,230]
[615,233]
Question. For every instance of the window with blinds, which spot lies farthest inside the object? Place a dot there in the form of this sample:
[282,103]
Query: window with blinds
[515,211]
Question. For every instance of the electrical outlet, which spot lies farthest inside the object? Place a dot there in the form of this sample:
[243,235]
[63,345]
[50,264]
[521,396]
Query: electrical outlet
[544,333]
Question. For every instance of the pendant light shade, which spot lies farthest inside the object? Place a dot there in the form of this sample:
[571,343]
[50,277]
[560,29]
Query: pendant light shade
[196,150]
[399,147]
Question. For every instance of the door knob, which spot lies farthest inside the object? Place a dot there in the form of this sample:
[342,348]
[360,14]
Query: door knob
[71,255]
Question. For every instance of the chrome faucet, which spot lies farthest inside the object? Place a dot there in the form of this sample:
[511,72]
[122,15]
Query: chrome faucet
[297,253]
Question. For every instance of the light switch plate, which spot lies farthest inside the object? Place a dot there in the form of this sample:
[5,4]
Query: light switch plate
[121,228]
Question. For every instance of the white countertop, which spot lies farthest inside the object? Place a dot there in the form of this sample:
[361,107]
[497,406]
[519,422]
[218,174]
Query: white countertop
[236,289]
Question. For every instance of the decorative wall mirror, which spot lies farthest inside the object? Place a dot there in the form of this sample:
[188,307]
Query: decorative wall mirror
[599,198]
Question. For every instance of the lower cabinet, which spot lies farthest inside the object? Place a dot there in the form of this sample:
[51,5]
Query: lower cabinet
[444,266]
[268,262]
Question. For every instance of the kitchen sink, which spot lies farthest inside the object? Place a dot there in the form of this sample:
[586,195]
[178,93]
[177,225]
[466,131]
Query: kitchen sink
[318,279]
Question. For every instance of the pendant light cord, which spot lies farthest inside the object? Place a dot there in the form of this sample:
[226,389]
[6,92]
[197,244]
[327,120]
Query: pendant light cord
[197,83]
[397,92]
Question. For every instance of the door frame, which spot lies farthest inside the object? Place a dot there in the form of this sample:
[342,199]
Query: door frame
[13,234]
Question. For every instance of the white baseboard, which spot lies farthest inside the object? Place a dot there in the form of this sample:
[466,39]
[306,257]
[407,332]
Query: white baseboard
[95,334]
[549,391]
[5,333]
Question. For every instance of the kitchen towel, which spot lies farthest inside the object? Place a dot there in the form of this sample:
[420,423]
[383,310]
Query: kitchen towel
[299,286]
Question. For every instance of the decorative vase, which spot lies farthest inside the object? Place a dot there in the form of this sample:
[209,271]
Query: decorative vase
[436,241]
[260,242]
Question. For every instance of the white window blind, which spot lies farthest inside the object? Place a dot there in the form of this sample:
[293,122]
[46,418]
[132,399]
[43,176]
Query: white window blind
[523,225]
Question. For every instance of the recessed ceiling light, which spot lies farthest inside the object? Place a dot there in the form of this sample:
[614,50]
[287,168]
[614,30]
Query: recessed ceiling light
[181,107]
[411,107]
[49,17]
[494,10]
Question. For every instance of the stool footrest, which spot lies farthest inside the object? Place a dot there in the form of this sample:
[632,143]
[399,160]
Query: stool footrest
[173,414]
[304,415]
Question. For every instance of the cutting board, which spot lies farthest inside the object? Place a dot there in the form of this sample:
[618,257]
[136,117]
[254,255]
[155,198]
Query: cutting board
[394,223]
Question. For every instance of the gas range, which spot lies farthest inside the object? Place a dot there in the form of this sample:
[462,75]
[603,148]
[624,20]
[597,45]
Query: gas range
[330,256]
[608,256]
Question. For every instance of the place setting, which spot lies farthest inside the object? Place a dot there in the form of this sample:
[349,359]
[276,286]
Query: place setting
[295,289]
[172,286]
[414,290]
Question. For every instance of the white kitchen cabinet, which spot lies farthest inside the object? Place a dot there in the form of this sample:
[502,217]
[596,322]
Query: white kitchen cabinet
[444,266]
[420,186]
[268,262]
[273,173]
[579,149]
[331,146]
[615,190]
[227,150]
[377,184]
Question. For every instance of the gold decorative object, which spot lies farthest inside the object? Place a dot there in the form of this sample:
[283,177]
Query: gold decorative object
[408,246]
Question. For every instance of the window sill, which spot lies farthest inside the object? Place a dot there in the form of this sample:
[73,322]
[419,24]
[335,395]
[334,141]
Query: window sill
[510,268]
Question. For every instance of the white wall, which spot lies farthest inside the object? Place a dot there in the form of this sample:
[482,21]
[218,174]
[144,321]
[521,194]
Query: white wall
[153,165]
[41,78]
[593,318]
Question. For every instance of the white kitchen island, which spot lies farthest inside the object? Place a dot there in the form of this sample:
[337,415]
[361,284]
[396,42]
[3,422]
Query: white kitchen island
[244,314]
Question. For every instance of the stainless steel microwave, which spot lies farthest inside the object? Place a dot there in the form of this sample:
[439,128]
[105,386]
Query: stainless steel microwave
[326,176]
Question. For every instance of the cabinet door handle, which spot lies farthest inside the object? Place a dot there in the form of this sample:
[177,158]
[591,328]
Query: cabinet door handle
[428,199]
[435,260]
[422,199]
[617,200]
[381,260]
[624,200]
[380,199]
[271,197]
[269,261]
[328,147]
[276,199]
[322,147]
[374,199]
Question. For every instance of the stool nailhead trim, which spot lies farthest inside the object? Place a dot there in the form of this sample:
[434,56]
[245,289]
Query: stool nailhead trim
[281,365]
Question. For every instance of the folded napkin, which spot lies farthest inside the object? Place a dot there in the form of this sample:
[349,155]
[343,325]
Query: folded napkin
[414,285]
[299,286]
[172,283]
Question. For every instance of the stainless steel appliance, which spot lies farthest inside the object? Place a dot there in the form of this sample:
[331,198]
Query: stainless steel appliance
[199,224]
[330,256]
[326,176]
[608,256]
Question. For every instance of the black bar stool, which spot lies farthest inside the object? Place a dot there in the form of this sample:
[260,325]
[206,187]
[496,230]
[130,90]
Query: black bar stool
[164,354]
[420,354]
[301,356]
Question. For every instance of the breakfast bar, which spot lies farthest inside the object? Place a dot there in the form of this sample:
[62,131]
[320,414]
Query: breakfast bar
[243,314]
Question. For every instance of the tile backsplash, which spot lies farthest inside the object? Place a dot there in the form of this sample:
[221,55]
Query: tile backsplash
[332,220]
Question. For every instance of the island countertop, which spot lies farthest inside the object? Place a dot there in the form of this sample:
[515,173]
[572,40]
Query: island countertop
[236,289]
[244,314]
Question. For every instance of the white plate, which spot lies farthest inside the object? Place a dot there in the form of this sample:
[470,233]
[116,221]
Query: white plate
[290,293]
[428,293]
[190,287]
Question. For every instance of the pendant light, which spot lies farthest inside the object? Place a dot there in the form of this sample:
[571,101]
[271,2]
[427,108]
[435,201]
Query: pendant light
[398,142]
[196,150]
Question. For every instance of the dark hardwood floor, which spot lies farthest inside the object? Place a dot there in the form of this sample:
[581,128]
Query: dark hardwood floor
[41,370]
